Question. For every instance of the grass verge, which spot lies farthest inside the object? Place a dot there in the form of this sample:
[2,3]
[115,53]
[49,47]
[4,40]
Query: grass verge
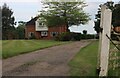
[15,47]
[85,61]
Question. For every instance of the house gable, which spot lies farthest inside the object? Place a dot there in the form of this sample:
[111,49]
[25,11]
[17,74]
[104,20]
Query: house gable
[40,26]
[39,30]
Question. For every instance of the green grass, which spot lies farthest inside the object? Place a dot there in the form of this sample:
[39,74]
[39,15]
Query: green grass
[15,47]
[85,61]
[0,49]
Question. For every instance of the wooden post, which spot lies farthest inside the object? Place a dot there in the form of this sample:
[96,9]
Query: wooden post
[1,42]
[100,38]
[104,41]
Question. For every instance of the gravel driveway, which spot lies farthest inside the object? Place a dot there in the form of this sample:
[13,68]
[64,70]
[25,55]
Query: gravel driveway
[51,61]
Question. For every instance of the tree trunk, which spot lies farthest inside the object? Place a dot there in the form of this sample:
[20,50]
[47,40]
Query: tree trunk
[67,26]
[66,21]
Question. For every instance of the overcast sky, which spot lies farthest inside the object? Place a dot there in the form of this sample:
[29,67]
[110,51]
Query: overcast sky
[25,9]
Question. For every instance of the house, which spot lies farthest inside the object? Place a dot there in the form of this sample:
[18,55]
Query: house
[35,28]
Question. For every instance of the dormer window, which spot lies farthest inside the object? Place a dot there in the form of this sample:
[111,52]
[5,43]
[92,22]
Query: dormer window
[40,25]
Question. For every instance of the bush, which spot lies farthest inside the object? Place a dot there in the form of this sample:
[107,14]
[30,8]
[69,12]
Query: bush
[87,36]
[77,36]
[84,31]
[68,36]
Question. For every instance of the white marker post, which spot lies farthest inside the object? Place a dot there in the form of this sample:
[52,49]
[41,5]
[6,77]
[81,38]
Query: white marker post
[106,17]
[100,36]
[0,42]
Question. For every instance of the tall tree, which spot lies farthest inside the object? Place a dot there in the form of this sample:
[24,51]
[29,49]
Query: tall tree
[8,29]
[21,30]
[116,15]
[0,23]
[110,5]
[85,32]
[68,13]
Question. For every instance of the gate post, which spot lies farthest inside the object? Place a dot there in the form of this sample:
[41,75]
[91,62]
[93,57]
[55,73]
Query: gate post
[104,43]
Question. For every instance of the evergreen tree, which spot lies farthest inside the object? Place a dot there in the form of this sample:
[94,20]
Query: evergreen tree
[8,29]
[0,23]
[85,32]
[21,30]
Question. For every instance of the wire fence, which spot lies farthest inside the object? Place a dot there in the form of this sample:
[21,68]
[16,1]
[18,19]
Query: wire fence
[114,59]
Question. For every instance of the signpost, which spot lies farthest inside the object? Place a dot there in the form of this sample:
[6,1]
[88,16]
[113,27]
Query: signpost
[104,43]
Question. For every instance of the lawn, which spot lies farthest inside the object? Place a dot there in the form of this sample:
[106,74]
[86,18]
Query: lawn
[15,47]
[0,49]
[85,61]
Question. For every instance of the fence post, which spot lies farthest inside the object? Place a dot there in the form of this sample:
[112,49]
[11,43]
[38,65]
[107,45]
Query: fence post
[104,43]
[100,38]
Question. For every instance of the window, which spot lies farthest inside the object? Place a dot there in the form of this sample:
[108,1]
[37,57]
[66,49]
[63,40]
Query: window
[41,25]
[44,33]
[54,34]
[31,34]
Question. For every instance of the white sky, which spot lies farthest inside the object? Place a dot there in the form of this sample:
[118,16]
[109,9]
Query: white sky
[50,0]
[25,9]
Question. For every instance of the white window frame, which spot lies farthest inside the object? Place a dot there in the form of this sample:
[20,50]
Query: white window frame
[44,33]
[30,34]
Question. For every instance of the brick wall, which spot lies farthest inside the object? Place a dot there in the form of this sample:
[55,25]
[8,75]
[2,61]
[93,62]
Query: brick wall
[58,29]
[31,28]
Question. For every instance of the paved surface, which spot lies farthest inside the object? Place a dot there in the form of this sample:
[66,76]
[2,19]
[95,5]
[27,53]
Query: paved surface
[46,62]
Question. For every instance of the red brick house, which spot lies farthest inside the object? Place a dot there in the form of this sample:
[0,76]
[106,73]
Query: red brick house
[40,31]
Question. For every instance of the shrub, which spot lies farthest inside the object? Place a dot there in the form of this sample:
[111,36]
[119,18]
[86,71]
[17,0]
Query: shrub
[84,31]
[77,36]
[87,36]
[68,36]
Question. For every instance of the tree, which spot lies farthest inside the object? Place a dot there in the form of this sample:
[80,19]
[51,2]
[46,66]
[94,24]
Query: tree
[110,5]
[8,29]
[21,30]
[68,13]
[0,23]
[116,15]
[85,32]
